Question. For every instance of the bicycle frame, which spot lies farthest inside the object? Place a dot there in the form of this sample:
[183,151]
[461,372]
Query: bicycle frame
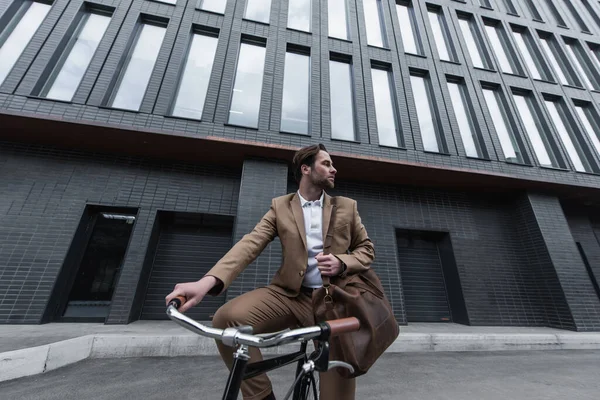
[241,370]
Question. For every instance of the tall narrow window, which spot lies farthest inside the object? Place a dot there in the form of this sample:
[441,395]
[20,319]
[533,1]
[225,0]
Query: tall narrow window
[463,110]
[385,107]
[427,114]
[591,122]
[535,14]
[591,11]
[341,89]
[473,41]
[510,7]
[139,66]
[531,54]
[486,3]
[216,6]
[558,61]
[374,22]
[247,88]
[582,64]
[576,16]
[595,54]
[299,15]
[193,85]
[555,13]
[67,74]
[258,10]
[535,130]
[296,92]
[504,52]
[565,127]
[408,28]
[338,19]
[17,34]
[441,34]
[504,125]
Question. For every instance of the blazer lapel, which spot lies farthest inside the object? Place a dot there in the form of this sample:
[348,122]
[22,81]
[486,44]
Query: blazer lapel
[327,210]
[299,217]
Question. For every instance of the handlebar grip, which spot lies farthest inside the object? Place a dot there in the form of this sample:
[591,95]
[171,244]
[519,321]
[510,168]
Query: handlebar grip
[177,301]
[343,325]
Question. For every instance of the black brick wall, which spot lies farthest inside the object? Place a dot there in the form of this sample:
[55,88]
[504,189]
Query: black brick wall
[43,193]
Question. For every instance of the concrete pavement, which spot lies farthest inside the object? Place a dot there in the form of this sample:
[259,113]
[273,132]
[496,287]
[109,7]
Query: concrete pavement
[547,375]
[33,349]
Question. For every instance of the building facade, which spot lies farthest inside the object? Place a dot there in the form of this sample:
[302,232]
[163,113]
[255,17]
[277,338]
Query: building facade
[140,139]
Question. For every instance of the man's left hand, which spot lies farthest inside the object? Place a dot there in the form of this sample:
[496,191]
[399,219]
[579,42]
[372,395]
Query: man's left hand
[329,265]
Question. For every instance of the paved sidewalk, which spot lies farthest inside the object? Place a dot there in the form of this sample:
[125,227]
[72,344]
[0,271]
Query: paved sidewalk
[33,349]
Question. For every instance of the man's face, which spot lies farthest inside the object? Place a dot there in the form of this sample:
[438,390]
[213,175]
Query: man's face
[322,175]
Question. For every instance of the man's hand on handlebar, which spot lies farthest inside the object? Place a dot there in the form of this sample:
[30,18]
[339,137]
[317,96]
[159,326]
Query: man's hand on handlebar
[193,292]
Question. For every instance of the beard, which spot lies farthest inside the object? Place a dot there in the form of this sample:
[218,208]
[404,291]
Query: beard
[322,183]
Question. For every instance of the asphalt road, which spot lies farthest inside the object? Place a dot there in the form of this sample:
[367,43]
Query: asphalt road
[548,375]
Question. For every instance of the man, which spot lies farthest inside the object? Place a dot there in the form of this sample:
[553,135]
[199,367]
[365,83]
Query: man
[320,236]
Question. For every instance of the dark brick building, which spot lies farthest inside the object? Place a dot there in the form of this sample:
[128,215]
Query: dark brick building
[139,139]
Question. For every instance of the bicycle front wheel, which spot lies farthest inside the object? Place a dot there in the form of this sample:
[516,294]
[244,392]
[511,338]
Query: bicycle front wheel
[309,387]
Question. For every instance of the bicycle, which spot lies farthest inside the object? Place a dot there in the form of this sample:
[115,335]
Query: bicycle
[241,337]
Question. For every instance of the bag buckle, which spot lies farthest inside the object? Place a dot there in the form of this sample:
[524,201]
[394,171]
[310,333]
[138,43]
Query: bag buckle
[327,298]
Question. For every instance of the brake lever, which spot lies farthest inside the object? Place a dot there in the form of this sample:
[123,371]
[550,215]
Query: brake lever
[340,364]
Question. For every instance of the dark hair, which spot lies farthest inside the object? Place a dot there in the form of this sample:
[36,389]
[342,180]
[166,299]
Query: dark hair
[305,156]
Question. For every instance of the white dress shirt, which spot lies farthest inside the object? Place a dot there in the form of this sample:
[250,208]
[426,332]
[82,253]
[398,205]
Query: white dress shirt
[313,221]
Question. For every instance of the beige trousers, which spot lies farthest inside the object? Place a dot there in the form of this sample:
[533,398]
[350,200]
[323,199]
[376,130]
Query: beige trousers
[268,311]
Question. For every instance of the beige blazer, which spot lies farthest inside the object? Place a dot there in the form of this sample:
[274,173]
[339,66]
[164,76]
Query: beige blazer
[343,232]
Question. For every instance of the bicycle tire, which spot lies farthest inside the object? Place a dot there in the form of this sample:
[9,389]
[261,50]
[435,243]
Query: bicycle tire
[309,387]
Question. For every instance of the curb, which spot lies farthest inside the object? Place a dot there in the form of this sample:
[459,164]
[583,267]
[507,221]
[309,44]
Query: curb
[36,360]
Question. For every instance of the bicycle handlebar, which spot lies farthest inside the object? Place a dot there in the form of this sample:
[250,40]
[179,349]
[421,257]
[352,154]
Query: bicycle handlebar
[236,336]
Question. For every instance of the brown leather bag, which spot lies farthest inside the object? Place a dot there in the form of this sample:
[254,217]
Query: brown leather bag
[359,295]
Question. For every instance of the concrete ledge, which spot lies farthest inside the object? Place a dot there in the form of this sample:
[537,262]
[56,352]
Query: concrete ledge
[36,360]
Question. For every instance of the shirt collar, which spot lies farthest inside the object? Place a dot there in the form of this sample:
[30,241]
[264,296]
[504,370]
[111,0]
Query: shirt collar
[304,202]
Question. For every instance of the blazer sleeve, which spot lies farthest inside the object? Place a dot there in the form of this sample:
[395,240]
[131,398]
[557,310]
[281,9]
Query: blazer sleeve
[362,251]
[244,252]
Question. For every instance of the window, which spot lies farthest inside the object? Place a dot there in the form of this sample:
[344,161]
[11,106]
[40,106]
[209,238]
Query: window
[473,41]
[468,128]
[385,107]
[595,54]
[258,10]
[510,7]
[374,23]
[504,125]
[168,1]
[299,15]
[441,34]
[576,15]
[342,100]
[408,28]
[582,64]
[565,126]
[76,58]
[531,54]
[504,52]
[558,61]
[296,93]
[535,130]
[338,19]
[216,6]
[486,3]
[247,88]
[535,14]
[17,34]
[555,13]
[193,84]
[427,114]
[591,11]
[591,122]
[138,67]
